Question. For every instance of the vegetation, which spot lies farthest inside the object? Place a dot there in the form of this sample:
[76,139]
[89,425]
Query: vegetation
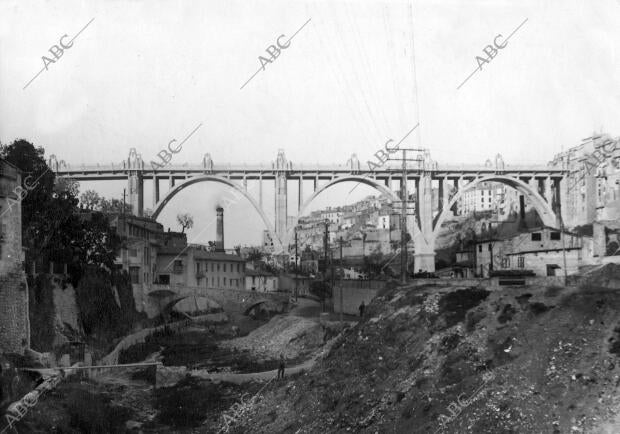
[53,227]
[186,221]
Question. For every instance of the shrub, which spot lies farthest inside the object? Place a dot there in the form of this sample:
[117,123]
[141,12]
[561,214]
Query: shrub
[92,413]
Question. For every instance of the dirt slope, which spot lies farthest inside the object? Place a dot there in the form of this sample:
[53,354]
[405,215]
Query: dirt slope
[462,360]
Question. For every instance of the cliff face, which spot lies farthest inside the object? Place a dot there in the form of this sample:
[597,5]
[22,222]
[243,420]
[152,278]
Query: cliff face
[463,360]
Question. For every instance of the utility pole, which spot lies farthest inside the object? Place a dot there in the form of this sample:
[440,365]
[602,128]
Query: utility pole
[341,277]
[296,266]
[126,255]
[325,243]
[331,266]
[403,229]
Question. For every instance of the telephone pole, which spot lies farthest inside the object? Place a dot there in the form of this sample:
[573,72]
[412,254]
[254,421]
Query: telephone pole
[341,277]
[404,272]
[296,266]
[403,224]
[126,255]
[325,243]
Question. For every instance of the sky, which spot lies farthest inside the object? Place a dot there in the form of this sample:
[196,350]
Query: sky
[356,74]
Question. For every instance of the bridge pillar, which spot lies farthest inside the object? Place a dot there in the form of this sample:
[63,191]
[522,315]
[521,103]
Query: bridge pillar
[389,182]
[171,182]
[300,198]
[245,183]
[316,182]
[455,208]
[155,190]
[548,191]
[424,243]
[281,197]
[440,195]
[260,191]
[135,182]
[136,193]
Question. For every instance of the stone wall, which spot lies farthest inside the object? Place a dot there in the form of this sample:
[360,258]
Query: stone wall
[14,322]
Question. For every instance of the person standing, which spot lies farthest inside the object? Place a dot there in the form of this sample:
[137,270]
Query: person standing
[361,308]
[281,367]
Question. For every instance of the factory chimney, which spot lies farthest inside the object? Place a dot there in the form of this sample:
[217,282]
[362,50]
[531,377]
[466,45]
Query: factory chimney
[219,232]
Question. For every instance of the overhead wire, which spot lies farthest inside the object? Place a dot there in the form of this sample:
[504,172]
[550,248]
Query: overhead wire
[345,89]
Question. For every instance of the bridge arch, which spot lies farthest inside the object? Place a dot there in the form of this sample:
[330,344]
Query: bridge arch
[359,178]
[210,178]
[542,207]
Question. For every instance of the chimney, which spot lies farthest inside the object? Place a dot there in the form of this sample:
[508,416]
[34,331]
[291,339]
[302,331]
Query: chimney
[219,231]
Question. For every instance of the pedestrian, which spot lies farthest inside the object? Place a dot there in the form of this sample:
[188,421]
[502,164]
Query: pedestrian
[281,367]
[361,308]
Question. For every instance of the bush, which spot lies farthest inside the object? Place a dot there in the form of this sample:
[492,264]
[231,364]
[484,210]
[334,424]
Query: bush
[41,313]
[95,300]
[92,413]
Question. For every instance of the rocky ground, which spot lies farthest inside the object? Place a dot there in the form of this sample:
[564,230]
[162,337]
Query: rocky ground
[463,360]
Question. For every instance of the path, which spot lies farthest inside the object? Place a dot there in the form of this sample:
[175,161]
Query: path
[264,375]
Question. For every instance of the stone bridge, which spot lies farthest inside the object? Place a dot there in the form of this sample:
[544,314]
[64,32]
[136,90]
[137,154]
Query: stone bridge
[231,300]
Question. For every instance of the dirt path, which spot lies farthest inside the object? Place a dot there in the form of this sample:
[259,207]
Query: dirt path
[264,375]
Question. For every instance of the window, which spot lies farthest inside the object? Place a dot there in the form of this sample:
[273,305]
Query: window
[536,236]
[506,262]
[224,269]
[218,268]
[490,247]
[521,262]
[480,248]
[237,267]
[218,280]
[212,267]
[224,281]
[178,266]
[134,274]
[212,281]
[133,253]
[555,235]
[164,279]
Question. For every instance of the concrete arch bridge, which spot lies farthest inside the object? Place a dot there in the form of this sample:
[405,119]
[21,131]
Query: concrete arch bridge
[543,186]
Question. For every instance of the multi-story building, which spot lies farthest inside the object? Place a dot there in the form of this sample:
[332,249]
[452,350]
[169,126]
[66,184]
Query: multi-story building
[14,321]
[501,200]
[540,250]
[142,237]
[193,266]
[259,280]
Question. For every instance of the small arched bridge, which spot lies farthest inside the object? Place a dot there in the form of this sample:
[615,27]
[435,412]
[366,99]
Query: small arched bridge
[231,300]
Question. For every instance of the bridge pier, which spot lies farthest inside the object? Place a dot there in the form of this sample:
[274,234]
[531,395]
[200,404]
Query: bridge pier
[424,242]
[136,193]
[155,190]
[281,208]
[300,197]
[260,191]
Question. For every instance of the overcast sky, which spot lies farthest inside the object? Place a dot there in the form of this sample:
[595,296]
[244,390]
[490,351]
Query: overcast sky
[357,74]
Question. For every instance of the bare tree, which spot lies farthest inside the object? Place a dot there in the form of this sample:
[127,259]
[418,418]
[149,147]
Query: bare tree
[186,221]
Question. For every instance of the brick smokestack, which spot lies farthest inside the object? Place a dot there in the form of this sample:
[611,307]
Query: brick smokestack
[219,231]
